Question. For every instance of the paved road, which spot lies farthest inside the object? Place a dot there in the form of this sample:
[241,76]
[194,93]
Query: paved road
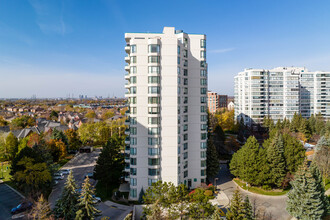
[8,200]
[113,210]
[81,164]
[272,206]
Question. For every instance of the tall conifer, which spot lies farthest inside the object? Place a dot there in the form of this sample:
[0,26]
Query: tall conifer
[276,161]
[306,199]
[86,206]
[66,206]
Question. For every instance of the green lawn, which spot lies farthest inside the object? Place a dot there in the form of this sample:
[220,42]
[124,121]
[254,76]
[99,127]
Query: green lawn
[4,172]
[258,190]
[327,186]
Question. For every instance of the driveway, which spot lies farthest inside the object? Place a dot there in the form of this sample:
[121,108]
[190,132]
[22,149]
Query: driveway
[81,164]
[113,210]
[272,207]
[8,200]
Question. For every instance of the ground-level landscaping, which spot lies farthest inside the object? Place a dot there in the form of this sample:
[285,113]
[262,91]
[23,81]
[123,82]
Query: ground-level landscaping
[258,190]
[4,172]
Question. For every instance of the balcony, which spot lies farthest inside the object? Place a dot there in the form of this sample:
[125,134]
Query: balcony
[127,141]
[127,168]
[127,132]
[127,59]
[127,85]
[127,76]
[127,113]
[127,48]
[127,68]
[127,122]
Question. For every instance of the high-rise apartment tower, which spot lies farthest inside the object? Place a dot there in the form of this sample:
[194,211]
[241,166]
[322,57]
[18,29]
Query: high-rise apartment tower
[167,93]
[280,93]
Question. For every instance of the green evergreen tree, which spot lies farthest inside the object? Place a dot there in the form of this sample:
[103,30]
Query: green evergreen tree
[319,124]
[322,157]
[110,164]
[141,195]
[276,162]
[60,136]
[241,130]
[248,161]
[236,207]
[53,115]
[278,125]
[157,196]
[247,209]
[180,201]
[218,132]
[286,123]
[295,122]
[305,128]
[306,198]
[41,209]
[216,215]
[212,160]
[312,123]
[66,206]
[86,206]
[322,142]
[294,153]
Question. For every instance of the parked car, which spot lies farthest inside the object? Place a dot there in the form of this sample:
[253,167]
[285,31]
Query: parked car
[96,199]
[21,207]
[89,175]
[58,176]
[65,171]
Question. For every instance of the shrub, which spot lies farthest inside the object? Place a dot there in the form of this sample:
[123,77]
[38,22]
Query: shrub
[208,193]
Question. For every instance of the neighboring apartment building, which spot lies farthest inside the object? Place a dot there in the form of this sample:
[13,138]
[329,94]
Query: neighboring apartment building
[223,101]
[167,93]
[216,101]
[279,93]
[212,101]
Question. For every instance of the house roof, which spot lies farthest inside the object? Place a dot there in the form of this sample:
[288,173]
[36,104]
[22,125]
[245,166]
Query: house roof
[4,128]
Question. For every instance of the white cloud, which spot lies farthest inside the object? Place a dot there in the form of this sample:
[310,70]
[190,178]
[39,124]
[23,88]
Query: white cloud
[50,18]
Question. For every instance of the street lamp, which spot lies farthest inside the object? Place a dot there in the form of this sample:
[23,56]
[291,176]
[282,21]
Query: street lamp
[215,182]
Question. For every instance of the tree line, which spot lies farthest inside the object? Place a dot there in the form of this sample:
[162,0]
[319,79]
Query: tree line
[73,204]
[304,128]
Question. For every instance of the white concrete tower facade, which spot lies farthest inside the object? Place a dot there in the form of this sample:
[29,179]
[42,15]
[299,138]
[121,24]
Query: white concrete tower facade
[281,92]
[167,92]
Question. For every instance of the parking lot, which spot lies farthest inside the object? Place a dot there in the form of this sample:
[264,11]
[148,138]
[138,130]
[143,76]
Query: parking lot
[8,200]
[80,165]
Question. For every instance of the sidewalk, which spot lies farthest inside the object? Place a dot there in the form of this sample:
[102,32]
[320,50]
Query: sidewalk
[221,200]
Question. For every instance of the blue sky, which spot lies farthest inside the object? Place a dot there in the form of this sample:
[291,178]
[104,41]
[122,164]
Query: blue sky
[54,48]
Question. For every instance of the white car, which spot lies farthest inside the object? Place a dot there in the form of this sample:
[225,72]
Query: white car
[58,176]
[96,199]
[65,171]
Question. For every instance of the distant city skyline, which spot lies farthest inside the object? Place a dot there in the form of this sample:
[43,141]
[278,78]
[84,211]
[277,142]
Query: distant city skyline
[53,48]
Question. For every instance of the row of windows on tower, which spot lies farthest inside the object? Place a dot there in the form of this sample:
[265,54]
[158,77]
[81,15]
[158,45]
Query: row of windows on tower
[156,69]
[155,48]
